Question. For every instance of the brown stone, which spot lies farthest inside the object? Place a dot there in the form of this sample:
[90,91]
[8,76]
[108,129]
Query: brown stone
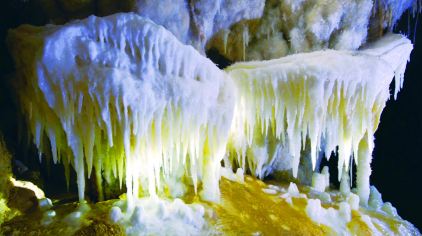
[100,228]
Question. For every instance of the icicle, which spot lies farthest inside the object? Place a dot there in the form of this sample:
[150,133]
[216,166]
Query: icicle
[332,98]
[225,39]
[245,40]
[137,105]
[123,96]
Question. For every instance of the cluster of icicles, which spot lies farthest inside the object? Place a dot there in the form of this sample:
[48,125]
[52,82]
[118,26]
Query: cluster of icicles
[122,98]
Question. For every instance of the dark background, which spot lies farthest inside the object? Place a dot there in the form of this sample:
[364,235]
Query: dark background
[397,163]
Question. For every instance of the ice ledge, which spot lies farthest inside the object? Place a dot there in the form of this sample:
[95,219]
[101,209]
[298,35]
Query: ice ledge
[314,103]
[122,96]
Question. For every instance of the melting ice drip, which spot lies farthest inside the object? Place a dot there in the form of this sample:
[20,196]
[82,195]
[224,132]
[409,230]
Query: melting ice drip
[122,96]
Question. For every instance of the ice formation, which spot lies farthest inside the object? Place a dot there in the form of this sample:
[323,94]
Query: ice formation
[294,26]
[321,181]
[122,96]
[331,99]
[154,216]
[335,219]
[194,22]
[292,192]
[338,213]
[386,14]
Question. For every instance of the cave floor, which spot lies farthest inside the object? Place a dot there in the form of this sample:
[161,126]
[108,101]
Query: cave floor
[245,209]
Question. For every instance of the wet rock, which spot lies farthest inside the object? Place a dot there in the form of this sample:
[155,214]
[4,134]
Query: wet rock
[22,199]
[5,169]
[100,228]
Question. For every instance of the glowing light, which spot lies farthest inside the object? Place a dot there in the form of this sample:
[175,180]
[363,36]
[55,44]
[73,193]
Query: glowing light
[39,194]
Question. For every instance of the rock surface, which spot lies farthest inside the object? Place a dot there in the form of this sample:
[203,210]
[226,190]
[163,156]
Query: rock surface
[5,173]
[249,30]
[5,169]
[288,27]
[195,22]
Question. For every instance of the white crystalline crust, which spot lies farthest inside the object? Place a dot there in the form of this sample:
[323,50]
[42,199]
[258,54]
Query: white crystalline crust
[154,216]
[321,181]
[331,99]
[341,213]
[124,97]
[194,22]
[294,26]
[337,24]
[335,219]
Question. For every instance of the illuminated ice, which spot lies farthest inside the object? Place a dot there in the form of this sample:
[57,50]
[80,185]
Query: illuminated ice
[121,97]
[329,99]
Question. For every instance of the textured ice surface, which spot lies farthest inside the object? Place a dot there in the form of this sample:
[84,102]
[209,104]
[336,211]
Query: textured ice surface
[154,216]
[336,219]
[285,27]
[321,181]
[122,96]
[293,26]
[194,22]
[386,13]
[328,99]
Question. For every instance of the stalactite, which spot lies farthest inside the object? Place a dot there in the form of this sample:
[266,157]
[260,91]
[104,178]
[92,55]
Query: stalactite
[330,97]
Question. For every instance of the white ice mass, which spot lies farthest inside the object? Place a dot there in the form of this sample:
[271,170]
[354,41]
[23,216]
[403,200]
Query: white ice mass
[122,97]
[333,99]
